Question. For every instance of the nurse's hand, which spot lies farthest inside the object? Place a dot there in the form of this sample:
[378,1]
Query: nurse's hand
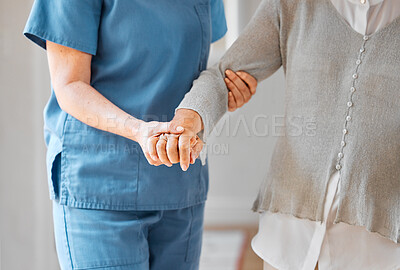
[242,86]
[147,135]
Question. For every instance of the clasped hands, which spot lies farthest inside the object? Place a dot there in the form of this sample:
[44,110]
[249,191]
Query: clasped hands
[177,141]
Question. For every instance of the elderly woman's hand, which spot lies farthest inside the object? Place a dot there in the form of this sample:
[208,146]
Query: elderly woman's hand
[183,148]
[242,86]
[166,148]
[147,135]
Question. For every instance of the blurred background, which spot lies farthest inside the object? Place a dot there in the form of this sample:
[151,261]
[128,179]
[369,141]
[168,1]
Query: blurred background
[239,153]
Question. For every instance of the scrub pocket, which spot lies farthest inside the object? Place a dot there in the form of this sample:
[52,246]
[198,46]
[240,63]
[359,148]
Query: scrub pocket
[204,13]
[99,170]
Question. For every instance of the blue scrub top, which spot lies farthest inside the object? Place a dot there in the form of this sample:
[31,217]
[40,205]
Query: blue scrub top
[146,54]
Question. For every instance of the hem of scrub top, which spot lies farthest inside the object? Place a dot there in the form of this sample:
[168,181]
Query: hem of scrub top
[128,207]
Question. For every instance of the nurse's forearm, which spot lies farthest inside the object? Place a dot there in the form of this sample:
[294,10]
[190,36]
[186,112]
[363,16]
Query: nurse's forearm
[70,72]
[86,104]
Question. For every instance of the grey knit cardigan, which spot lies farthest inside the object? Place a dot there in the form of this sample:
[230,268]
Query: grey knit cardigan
[344,84]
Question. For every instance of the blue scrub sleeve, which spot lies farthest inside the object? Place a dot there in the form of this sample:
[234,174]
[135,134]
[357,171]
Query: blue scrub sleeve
[218,20]
[71,23]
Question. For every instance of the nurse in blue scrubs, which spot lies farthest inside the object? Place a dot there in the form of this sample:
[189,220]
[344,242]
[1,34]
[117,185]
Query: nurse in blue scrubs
[118,69]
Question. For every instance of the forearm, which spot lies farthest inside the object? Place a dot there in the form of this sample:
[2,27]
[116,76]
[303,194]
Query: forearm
[87,105]
[257,51]
[208,100]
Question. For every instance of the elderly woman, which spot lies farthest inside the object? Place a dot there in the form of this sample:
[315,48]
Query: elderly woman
[117,68]
[332,196]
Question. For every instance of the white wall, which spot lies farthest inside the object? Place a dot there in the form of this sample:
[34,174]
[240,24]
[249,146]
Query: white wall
[26,240]
[25,215]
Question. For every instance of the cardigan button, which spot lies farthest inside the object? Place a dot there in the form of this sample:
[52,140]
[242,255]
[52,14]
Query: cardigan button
[349,104]
[366,38]
[338,167]
[343,143]
[355,76]
[344,131]
[358,62]
[362,50]
[348,118]
[353,89]
[340,155]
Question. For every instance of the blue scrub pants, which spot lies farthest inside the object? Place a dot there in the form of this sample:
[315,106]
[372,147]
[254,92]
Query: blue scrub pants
[134,240]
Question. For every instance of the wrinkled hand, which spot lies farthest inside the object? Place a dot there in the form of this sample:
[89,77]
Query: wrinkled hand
[148,132]
[184,148]
[166,147]
[242,86]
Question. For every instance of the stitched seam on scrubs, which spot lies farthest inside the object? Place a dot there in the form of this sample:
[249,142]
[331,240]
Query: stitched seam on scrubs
[145,207]
[188,256]
[63,196]
[111,265]
[68,249]
[204,43]
[116,267]
[68,43]
[64,179]
[137,178]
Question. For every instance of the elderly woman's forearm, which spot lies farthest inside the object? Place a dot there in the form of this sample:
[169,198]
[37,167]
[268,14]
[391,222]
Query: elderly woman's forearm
[256,51]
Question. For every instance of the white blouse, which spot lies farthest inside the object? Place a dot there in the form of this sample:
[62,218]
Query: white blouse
[286,242]
[368,16]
